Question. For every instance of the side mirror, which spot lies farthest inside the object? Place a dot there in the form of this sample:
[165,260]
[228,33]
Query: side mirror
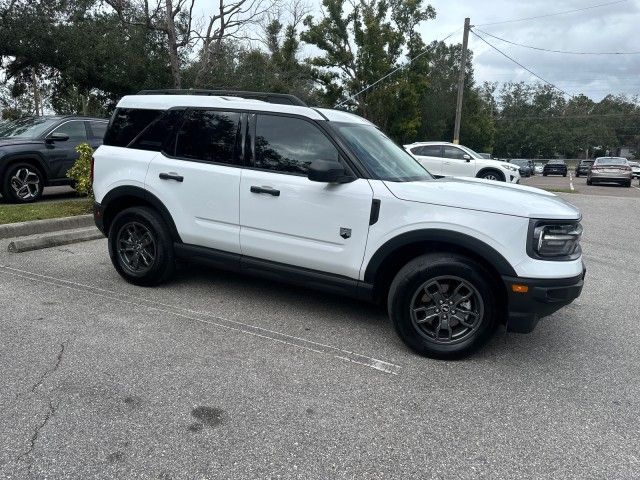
[328,171]
[57,137]
[467,157]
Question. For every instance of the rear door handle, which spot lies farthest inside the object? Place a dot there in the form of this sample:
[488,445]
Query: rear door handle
[267,190]
[171,176]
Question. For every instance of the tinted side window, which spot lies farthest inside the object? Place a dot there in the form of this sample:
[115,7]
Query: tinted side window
[75,129]
[159,136]
[127,123]
[289,145]
[98,129]
[430,151]
[209,135]
[453,152]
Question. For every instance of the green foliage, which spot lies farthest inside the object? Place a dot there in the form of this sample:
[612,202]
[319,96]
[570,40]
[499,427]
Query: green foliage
[80,173]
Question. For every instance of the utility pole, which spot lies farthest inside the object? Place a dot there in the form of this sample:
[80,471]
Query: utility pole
[463,63]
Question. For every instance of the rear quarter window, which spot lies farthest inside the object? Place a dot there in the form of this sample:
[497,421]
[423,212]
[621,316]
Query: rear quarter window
[127,123]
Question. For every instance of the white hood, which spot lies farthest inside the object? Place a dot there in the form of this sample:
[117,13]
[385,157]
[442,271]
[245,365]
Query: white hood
[486,196]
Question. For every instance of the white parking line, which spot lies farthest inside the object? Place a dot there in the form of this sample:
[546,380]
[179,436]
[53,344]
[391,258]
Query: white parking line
[341,354]
[571,182]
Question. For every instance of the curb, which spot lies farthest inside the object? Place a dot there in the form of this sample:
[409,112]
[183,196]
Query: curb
[23,229]
[55,240]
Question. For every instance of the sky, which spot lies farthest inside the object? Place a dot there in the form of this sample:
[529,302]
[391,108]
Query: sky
[610,28]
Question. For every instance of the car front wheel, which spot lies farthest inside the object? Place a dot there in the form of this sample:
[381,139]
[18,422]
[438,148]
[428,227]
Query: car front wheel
[23,183]
[443,305]
[140,246]
[492,175]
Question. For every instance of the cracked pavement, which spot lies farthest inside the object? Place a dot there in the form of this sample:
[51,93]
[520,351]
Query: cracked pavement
[217,375]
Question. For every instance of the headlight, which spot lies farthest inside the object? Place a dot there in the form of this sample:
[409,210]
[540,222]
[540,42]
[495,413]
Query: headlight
[555,240]
[513,168]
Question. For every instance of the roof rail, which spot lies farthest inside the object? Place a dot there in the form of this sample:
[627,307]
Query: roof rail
[280,98]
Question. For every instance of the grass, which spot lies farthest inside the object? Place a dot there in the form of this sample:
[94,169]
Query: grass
[41,210]
[559,190]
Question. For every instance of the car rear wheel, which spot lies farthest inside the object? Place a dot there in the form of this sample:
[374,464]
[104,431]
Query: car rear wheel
[140,246]
[23,183]
[443,305]
[589,181]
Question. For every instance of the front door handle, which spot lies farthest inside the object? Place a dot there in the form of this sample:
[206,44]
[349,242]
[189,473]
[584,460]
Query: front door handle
[267,190]
[171,176]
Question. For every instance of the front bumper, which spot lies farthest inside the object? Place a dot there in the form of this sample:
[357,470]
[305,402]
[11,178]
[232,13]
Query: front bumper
[542,298]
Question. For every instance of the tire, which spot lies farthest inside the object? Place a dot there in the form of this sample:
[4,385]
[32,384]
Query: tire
[449,271]
[147,235]
[577,175]
[628,184]
[544,174]
[23,183]
[492,175]
[564,175]
[589,181]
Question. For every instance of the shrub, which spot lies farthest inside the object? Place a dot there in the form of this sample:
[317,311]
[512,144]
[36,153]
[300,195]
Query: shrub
[80,173]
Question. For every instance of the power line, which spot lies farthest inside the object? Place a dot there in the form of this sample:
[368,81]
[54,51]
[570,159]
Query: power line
[556,51]
[351,97]
[520,65]
[552,14]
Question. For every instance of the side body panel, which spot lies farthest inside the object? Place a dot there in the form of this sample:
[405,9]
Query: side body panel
[302,226]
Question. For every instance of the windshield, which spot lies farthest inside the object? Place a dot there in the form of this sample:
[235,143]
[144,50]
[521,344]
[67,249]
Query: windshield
[520,163]
[477,155]
[381,156]
[31,127]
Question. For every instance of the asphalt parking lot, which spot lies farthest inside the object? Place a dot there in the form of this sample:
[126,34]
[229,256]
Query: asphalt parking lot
[54,193]
[579,186]
[221,376]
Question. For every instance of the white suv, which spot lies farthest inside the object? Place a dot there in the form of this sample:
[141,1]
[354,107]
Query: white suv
[444,159]
[324,199]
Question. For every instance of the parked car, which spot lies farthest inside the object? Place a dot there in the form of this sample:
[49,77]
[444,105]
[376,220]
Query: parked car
[610,169]
[583,167]
[36,152]
[555,167]
[523,165]
[635,169]
[323,199]
[444,159]
[538,167]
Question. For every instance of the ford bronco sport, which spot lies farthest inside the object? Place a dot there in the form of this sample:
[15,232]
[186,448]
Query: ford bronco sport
[261,183]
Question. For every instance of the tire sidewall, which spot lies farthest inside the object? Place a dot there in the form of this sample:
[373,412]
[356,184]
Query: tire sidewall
[7,191]
[495,173]
[413,277]
[164,260]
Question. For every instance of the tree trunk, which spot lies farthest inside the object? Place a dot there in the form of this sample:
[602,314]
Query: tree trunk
[36,93]
[172,40]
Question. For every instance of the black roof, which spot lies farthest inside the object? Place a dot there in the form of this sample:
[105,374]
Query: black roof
[270,97]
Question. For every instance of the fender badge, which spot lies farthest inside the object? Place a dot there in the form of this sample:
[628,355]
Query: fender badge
[345,232]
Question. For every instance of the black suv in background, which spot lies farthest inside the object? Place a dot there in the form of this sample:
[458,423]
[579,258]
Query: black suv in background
[555,167]
[583,167]
[36,152]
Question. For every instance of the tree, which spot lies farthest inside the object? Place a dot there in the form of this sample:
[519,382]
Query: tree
[172,18]
[228,23]
[361,46]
